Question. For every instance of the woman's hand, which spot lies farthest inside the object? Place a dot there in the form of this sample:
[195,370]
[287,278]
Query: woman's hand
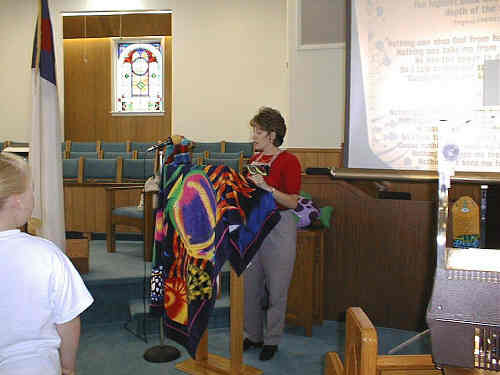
[287,200]
[259,181]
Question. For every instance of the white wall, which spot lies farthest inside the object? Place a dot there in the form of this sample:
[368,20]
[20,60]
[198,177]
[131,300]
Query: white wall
[229,58]
[317,91]
[17,26]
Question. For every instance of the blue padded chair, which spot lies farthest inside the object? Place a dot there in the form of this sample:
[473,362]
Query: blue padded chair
[225,155]
[114,155]
[141,218]
[246,147]
[236,164]
[146,155]
[140,146]
[83,146]
[100,170]
[197,158]
[207,146]
[228,155]
[73,170]
[18,144]
[86,155]
[114,146]
[1,146]
[137,170]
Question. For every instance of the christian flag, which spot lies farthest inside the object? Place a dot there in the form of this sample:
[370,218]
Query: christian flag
[45,150]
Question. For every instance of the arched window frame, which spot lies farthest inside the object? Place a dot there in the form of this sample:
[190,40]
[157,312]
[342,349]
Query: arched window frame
[116,105]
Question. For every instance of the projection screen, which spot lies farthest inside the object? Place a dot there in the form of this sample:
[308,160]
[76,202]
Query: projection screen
[414,67]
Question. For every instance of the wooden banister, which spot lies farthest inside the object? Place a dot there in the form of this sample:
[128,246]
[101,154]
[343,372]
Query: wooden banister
[361,353]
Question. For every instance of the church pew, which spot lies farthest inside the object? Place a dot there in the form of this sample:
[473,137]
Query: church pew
[361,353]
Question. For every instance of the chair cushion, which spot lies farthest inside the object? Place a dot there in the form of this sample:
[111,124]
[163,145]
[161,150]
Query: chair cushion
[245,147]
[145,155]
[70,168]
[138,169]
[83,147]
[224,155]
[129,211]
[114,155]
[86,155]
[141,146]
[114,146]
[100,169]
[207,146]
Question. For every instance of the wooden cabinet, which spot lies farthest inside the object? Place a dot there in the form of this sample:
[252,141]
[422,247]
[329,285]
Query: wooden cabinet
[305,296]
[77,249]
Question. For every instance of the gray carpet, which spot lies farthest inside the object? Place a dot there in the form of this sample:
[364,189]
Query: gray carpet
[111,349]
[126,263]
[117,282]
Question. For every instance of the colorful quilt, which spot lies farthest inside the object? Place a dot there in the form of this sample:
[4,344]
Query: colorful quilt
[207,215]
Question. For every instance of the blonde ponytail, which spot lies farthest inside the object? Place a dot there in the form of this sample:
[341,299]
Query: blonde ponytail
[14,176]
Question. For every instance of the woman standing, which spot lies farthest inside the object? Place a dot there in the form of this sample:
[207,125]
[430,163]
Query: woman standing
[41,293]
[268,276]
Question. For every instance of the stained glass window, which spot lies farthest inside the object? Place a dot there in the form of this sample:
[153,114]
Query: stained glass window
[139,77]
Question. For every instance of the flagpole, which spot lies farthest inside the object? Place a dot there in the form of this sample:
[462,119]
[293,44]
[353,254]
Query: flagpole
[45,159]
[38,35]
[35,223]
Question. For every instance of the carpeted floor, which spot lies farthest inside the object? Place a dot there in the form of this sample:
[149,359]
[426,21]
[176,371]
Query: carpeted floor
[117,282]
[126,263]
[110,349]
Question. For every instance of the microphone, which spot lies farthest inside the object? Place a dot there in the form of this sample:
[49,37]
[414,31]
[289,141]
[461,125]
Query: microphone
[161,144]
[318,171]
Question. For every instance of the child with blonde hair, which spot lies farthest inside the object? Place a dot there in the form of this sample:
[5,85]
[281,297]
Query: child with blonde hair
[41,293]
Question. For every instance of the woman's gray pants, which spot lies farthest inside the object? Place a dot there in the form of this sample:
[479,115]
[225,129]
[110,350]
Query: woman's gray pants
[266,281]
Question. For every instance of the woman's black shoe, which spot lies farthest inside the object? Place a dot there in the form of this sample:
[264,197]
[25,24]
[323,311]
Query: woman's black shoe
[248,344]
[268,352]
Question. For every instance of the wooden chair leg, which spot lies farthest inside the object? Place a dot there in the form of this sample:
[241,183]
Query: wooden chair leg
[110,233]
[108,241]
[113,238]
[110,238]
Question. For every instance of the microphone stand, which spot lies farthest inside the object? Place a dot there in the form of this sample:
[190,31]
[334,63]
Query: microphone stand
[160,145]
[161,353]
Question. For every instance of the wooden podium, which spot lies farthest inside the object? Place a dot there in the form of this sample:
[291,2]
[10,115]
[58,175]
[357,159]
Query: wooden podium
[211,364]
[305,295]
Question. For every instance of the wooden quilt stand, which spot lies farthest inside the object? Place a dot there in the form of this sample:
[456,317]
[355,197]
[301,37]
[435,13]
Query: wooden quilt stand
[211,364]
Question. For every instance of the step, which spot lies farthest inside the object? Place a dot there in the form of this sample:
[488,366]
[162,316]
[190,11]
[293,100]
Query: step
[111,300]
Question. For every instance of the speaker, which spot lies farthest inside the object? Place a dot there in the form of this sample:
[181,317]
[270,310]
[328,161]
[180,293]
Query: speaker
[321,22]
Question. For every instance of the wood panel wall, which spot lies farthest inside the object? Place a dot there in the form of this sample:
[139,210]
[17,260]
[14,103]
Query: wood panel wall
[126,25]
[88,80]
[318,157]
[87,97]
[380,254]
[85,207]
